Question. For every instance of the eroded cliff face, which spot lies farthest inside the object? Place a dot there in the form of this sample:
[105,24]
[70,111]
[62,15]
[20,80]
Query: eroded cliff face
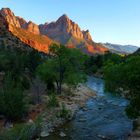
[10,17]
[68,33]
[32,27]
[62,30]
[40,37]
[27,32]
[7,39]
[87,36]
[19,22]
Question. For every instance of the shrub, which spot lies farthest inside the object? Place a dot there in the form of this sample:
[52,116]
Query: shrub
[12,99]
[53,102]
[125,75]
[22,131]
[64,66]
[64,112]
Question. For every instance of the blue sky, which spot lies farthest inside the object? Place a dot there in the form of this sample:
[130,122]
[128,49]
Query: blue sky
[115,21]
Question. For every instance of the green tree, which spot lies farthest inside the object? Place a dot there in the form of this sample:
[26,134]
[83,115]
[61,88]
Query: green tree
[95,64]
[124,78]
[63,66]
[12,99]
[21,63]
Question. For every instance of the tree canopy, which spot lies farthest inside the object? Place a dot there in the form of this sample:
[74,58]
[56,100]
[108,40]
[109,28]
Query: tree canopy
[64,65]
[124,78]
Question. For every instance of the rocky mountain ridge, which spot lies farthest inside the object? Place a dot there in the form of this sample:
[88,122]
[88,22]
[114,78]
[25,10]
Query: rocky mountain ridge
[7,39]
[122,49]
[26,32]
[63,26]
[40,37]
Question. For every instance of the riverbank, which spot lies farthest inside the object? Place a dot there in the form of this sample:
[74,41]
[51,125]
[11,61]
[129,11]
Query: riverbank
[84,113]
[71,102]
[102,117]
[135,135]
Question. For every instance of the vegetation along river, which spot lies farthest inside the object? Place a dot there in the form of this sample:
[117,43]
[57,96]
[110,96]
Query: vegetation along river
[103,117]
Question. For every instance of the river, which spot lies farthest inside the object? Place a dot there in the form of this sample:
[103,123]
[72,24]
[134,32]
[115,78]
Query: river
[103,117]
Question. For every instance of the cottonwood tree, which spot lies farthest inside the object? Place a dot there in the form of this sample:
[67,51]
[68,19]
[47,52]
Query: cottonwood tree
[63,66]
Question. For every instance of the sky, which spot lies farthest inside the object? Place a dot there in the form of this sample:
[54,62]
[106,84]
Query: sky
[114,21]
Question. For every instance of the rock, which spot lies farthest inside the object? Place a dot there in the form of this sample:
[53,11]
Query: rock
[51,131]
[82,120]
[62,134]
[32,27]
[40,37]
[44,134]
[101,104]
[10,17]
[9,125]
[101,136]
[136,133]
[138,121]
[18,21]
[87,135]
[86,35]
[84,109]
[67,32]
[70,103]
[63,26]
[27,32]
[30,121]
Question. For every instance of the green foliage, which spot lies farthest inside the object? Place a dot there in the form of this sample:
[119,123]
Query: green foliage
[112,58]
[21,63]
[125,75]
[133,110]
[34,59]
[22,131]
[63,66]
[52,102]
[96,63]
[12,99]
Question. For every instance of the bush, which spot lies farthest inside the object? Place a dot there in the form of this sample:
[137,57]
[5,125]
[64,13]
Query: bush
[64,112]
[53,102]
[133,109]
[23,131]
[125,75]
[12,99]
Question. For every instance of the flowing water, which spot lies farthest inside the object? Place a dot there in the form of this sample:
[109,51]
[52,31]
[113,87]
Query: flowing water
[102,118]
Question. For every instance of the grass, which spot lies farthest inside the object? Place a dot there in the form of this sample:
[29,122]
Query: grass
[52,102]
[64,112]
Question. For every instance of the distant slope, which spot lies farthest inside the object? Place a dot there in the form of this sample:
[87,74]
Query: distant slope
[123,49]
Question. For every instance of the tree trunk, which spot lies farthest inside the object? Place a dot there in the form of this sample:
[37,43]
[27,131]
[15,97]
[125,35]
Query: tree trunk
[59,87]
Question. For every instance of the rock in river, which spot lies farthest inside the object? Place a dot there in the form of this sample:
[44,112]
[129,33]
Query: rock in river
[44,134]
[62,134]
